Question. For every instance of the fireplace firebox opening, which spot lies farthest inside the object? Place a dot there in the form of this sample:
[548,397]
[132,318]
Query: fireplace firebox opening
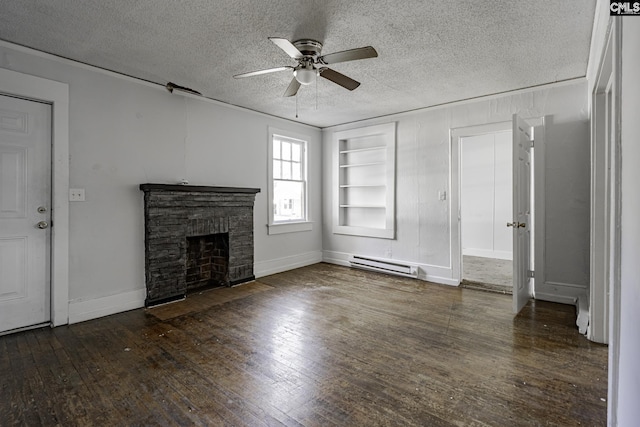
[207,261]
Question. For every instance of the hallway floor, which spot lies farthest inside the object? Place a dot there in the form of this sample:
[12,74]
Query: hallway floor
[488,271]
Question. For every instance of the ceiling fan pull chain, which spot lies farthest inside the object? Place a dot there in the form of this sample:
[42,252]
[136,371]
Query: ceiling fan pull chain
[316,91]
[296,105]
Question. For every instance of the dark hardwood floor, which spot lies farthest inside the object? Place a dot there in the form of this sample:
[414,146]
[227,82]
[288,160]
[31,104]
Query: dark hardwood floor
[318,346]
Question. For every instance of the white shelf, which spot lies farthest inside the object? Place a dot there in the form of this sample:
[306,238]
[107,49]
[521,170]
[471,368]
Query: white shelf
[362,185]
[360,150]
[364,206]
[353,165]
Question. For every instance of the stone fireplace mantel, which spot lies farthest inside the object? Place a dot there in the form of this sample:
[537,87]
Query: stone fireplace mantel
[174,213]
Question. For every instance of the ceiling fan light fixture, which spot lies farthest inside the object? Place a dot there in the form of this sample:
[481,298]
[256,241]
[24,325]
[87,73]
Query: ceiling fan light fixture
[305,76]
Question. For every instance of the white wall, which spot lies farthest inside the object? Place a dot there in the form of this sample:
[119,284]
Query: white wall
[628,411]
[123,133]
[486,195]
[422,221]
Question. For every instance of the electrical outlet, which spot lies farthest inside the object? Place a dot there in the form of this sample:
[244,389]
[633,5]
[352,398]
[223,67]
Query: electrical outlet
[76,194]
[442,195]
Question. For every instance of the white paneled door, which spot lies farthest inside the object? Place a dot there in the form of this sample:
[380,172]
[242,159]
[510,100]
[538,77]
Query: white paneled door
[522,281]
[25,212]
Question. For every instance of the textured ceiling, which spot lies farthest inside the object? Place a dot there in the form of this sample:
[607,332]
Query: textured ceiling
[430,52]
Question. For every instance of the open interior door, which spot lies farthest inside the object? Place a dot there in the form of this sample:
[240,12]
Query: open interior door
[522,282]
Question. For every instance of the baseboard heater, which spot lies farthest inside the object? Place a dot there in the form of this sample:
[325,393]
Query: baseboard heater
[389,267]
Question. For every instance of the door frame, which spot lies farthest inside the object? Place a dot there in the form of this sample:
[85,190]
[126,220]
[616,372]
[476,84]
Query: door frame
[606,198]
[56,94]
[605,193]
[455,135]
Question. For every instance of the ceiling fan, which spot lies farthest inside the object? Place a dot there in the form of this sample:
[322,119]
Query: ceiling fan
[312,64]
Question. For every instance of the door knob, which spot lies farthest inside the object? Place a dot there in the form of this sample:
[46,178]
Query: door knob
[517,224]
[42,225]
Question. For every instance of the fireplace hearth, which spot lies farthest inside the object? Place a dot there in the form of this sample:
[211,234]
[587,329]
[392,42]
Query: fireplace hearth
[213,225]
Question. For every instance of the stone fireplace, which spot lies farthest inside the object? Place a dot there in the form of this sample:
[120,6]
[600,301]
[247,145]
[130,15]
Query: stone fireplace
[196,236]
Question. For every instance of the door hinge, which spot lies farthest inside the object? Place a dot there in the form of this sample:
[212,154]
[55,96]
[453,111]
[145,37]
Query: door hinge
[530,274]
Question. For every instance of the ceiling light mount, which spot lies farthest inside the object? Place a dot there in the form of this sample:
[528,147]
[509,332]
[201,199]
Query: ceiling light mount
[308,47]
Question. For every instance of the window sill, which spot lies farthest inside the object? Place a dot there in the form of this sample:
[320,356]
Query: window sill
[292,227]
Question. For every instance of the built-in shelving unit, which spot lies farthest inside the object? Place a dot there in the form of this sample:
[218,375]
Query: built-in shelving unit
[364,200]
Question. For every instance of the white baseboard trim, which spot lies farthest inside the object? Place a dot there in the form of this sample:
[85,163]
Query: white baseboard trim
[278,265]
[439,280]
[83,310]
[426,272]
[338,258]
[561,299]
[560,285]
[485,253]
[564,293]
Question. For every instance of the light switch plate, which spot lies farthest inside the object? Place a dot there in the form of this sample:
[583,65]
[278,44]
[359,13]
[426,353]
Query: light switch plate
[76,194]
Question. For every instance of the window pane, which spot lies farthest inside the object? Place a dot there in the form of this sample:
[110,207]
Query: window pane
[296,171]
[286,150]
[277,172]
[288,198]
[286,170]
[276,149]
[296,153]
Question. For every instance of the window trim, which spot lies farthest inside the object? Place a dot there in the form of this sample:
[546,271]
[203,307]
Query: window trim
[292,226]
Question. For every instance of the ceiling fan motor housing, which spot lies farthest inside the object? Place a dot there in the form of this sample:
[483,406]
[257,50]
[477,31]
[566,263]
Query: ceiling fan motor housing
[308,47]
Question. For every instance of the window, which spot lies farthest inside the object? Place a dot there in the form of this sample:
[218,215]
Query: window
[289,185]
[288,211]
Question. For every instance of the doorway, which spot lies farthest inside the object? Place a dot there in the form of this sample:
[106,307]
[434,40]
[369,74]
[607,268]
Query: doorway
[521,223]
[56,95]
[486,206]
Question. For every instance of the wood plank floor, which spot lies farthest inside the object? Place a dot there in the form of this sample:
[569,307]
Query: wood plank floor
[317,346]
